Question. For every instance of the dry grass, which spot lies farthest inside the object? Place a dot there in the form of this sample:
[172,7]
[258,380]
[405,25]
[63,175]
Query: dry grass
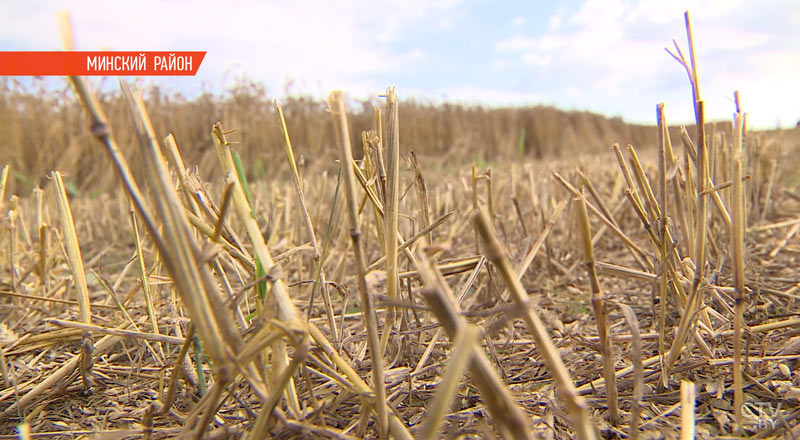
[45,130]
[648,295]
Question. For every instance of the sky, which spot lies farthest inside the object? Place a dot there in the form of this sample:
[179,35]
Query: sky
[605,56]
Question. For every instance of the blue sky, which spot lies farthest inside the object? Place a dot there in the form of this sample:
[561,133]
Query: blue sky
[600,55]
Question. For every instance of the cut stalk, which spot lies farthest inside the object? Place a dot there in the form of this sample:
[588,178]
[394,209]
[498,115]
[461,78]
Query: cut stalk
[638,371]
[687,410]
[44,249]
[320,279]
[737,244]
[391,211]
[662,236]
[75,261]
[336,104]
[286,310]
[463,347]
[598,306]
[176,160]
[144,279]
[695,300]
[380,144]
[3,182]
[52,380]
[422,198]
[576,405]
[396,425]
[638,254]
[169,398]
[510,419]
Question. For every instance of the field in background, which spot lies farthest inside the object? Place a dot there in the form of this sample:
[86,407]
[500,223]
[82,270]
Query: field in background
[45,130]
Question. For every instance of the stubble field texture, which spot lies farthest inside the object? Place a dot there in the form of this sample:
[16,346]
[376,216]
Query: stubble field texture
[392,269]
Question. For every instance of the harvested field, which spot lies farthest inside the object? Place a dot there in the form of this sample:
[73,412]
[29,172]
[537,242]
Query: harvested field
[374,292]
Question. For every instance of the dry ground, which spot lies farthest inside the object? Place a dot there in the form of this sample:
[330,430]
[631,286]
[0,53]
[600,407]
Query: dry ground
[120,394]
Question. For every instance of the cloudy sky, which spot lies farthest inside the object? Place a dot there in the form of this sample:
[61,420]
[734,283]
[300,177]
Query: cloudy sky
[600,55]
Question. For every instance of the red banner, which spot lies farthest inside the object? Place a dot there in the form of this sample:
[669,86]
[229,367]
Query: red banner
[100,63]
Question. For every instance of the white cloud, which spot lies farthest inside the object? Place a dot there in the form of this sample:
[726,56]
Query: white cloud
[536,59]
[445,24]
[603,55]
[339,44]
[573,92]
[515,43]
[611,52]
[498,64]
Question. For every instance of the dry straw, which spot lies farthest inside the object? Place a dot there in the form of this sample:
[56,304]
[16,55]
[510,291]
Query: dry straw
[320,281]
[337,108]
[222,335]
[73,249]
[598,306]
[391,209]
[737,243]
[511,420]
[578,409]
